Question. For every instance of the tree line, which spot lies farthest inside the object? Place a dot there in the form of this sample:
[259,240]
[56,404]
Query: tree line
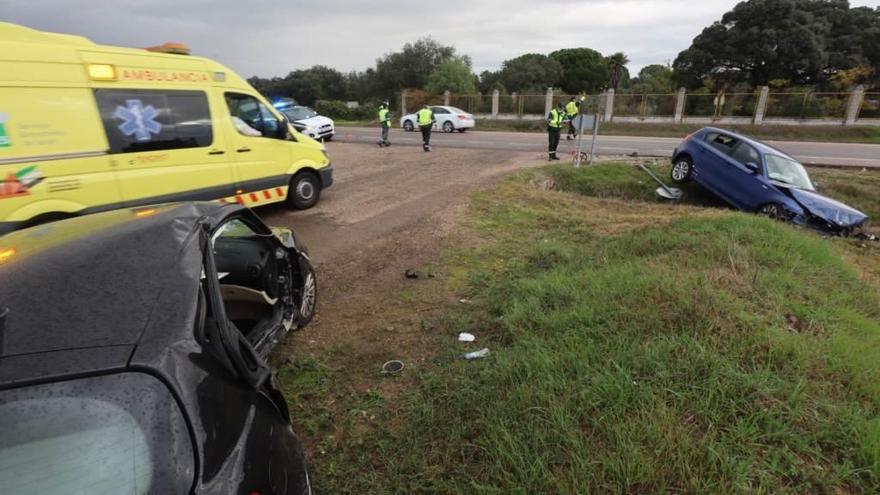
[815,44]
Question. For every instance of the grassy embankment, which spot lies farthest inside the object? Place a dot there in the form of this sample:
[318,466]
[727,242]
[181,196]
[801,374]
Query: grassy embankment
[637,347]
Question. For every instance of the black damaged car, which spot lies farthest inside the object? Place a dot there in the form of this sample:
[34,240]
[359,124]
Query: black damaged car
[133,350]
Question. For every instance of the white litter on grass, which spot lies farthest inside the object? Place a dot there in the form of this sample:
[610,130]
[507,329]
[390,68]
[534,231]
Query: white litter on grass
[466,337]
[463,301]
[477,354]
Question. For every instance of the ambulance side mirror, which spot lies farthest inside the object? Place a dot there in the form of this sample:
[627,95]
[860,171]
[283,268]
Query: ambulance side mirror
[283,130]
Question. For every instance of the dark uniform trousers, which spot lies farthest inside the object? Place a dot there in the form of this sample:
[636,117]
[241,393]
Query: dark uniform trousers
[553,135]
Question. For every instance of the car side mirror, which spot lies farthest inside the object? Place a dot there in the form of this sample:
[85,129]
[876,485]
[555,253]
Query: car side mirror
[753,167]
[815,185]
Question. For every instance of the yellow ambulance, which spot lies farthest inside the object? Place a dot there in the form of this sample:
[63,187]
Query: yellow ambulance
[87,128]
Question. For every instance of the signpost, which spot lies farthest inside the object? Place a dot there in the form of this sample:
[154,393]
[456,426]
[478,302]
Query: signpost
[586,121]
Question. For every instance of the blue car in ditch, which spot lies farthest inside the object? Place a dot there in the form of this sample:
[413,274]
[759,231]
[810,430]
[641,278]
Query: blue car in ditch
[758,178]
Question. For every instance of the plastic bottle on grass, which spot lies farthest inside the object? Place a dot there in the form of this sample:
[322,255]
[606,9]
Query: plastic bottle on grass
[477,354]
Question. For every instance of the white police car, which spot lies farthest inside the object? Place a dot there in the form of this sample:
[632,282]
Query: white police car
[308,122]
[449,119]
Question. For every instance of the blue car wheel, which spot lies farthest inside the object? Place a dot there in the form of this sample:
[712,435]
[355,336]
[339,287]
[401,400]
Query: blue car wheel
[682,170]
[773,210]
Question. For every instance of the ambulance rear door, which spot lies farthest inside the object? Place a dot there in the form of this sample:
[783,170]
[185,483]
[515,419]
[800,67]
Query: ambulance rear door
[53,155]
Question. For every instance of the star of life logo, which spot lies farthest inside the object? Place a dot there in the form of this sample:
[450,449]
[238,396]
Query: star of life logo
[138,120]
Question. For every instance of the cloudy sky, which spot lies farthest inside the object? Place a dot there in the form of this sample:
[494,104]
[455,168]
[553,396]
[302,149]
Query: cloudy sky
[272,37]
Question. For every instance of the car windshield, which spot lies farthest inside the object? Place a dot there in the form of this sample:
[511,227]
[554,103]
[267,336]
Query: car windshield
[788,172]
[299,113]
[120,434]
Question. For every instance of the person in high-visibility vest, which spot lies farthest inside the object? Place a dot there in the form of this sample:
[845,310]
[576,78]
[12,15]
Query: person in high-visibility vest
[426,122]
[572,108]
[554,128]
[384,123]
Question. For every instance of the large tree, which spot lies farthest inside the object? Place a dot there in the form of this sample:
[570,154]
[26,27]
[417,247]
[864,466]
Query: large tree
[530,72]
[363,85]
[305,85]
[617,72]
[801,41]
[453,75]
[583,69]
[654,79]
[490,81]
[410,67]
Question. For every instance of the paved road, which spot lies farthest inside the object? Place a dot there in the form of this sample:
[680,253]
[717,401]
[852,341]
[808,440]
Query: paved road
[836,154]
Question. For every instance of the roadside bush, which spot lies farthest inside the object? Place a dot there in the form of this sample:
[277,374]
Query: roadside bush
[334,109]
[338,110]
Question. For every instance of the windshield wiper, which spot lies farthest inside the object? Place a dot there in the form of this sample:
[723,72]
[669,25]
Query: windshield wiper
[777,179]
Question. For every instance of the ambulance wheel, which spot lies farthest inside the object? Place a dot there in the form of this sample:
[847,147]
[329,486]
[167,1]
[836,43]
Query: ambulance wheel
[305,190]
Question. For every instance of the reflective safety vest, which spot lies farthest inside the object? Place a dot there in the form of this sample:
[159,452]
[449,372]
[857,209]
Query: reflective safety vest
[383,117]
[571,109]
[426,117]
[555,120]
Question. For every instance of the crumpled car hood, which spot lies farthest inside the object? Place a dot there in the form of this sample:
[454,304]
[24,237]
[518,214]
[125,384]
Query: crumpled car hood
[828,209]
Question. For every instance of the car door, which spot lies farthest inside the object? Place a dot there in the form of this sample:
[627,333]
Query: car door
[441,115]
[715,168]
[261,147]
[164,145]
[248,444]
[255,282]
[745,171]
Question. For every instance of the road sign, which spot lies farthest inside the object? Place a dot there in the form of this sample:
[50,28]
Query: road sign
[584,122]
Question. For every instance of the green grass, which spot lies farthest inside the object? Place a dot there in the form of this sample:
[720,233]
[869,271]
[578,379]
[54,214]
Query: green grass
[609,180]
[858,188]
[824,133]
[636,348]
[354,123]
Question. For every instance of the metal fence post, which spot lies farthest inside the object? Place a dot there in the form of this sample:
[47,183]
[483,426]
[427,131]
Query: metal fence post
[761,107]
[609,105]
[548,101]
[446,95]
[679,105]
[854,105]
[495,103]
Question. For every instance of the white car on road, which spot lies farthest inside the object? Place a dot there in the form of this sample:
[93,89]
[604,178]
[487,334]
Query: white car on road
[448,118]
[308,122]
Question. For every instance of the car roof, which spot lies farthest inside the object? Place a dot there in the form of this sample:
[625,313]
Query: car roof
[763,148]
[434,106]
[96,281]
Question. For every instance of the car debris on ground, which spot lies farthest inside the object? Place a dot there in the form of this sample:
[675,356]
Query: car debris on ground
[392,367]
[477,354]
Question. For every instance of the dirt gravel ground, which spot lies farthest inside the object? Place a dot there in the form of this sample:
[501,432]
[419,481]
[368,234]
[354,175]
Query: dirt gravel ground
[389,210]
